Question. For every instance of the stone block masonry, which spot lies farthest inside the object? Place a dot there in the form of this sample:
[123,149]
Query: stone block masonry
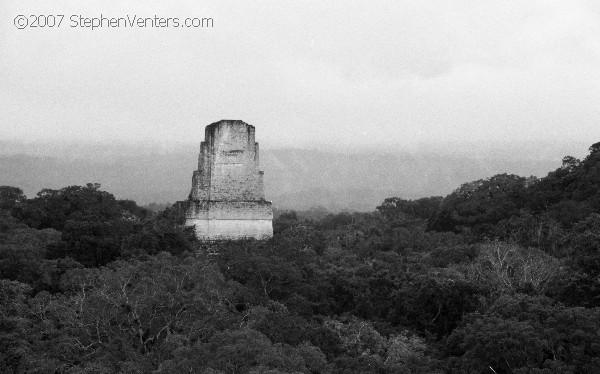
[227,200]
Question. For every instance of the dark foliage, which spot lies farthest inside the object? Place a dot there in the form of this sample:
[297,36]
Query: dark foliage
[501,276]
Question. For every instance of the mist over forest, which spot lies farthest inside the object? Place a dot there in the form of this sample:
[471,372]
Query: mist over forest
[337,179]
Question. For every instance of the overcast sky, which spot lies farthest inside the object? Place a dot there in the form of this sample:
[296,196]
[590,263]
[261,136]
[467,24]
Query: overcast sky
[311,72]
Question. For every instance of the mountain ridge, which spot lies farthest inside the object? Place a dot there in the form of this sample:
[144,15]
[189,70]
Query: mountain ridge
[295,178]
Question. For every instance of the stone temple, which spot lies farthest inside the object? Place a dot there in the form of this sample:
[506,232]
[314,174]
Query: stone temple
[227,200]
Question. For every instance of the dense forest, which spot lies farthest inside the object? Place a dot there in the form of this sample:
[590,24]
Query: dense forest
[500,276]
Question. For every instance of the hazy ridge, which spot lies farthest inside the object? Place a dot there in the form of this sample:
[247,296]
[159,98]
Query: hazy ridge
[295,178]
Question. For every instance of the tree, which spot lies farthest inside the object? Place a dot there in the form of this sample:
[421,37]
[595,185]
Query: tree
[23,252]
[435,302]
[522,334]
[245,351]
[14,313]
[53,208]
[508,268]
[395,207]
[11,197]
[571,192]
[133,312]
[582,286]
[478,206]
[537,230]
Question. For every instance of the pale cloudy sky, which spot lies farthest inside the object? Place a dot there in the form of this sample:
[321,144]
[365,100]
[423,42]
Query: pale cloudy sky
[311,72]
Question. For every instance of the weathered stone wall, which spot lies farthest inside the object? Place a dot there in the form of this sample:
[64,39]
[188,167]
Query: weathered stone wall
[240,209]
[228,185]
[228,164]
[232,229]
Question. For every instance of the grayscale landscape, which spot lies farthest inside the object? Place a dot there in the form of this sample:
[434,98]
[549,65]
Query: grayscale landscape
[300,187]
